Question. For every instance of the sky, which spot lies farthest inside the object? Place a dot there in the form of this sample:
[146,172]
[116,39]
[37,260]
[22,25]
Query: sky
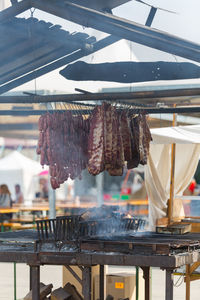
[183,22]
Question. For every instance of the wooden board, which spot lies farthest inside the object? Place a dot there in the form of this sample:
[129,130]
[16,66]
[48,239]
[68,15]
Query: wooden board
[174,229]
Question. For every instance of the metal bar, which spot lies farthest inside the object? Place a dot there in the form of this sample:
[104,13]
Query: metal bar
[101,96]
[151,16]
[35,282]
[30,278]
[74,274]
[121,27]
[137,283]
[59,63]
[15,282]
[14,10]
[146,275]
[102,283]
[86,286]
[169,285]
[194,109]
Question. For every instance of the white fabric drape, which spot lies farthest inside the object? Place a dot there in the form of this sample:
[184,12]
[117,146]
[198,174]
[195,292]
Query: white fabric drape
[157,176]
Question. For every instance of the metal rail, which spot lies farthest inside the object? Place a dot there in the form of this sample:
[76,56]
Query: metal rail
[116,96]
[168,110]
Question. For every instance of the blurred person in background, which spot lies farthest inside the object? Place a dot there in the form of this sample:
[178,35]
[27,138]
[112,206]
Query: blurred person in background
[43,188]
[18,194]
[5,196]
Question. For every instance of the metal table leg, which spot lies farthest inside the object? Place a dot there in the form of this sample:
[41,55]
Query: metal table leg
[101,283]
[146,275]
[30,278]
[86,286]
[35,282]
[169,285]
[15,281]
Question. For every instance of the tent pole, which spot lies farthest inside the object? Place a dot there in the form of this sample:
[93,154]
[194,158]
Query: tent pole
[173,151]
[52,201]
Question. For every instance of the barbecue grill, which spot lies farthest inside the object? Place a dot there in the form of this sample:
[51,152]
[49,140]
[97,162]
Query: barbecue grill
[73,228]
[52,244]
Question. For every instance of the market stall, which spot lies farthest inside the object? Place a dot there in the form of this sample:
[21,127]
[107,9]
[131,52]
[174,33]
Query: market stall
[15,168]
[157,171]
[63,141]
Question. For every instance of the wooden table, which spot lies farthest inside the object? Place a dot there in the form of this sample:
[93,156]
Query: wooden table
[8,210]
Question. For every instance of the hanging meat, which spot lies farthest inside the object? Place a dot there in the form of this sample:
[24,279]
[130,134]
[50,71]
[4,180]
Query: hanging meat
[107,140]
[96,142]
[62,145]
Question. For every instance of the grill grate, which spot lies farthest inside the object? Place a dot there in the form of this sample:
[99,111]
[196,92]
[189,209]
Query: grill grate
[70,228]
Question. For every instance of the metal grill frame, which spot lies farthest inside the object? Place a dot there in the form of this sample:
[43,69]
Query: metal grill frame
[72,228]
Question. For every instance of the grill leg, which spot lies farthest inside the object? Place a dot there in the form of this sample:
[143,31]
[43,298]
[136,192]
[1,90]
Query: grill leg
[146,275]
[102,283]
[86,285]
[35,282]
[169,285]
[30,278]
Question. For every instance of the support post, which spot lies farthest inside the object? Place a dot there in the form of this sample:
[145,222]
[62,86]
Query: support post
[86,287]
[35,282]
[52,201]
[99,183]
[187,279]
[146,276]
[172,175]
[102,283]
[169,285]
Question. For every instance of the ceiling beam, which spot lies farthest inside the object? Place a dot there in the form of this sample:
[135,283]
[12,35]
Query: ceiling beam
[120,27]
[14,10]
[186,92]
[59,63]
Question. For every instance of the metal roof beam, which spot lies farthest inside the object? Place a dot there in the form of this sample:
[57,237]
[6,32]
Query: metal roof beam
[121,27]
[14,10]
[59,63]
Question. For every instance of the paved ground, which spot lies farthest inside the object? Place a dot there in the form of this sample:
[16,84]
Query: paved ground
[53,274]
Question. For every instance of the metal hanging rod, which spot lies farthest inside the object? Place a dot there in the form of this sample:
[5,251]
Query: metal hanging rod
[102,96]
[163,110]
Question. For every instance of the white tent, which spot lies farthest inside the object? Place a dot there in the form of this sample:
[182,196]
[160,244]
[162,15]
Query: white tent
[16,168]
[157,171]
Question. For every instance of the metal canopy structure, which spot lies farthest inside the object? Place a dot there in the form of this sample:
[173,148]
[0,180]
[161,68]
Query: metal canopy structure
[48,46]
[28,44]
[31,48]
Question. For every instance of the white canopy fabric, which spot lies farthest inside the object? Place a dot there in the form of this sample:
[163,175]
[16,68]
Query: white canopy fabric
[177,134]
[16,168]
[157,171]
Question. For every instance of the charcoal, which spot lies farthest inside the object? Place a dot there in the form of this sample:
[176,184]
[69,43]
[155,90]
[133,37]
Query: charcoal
[70,289]
[109,297]
[60,294]
[45,290]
